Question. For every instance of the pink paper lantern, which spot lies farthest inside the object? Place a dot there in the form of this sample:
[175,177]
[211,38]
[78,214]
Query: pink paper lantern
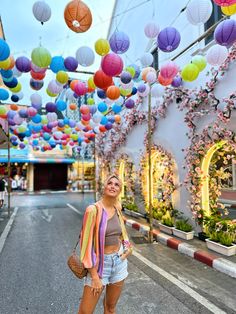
[169,70]
[224,3]
[112,64]
[80,88]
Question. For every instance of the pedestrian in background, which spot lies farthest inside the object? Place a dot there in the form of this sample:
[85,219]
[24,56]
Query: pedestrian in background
[2,191]
[104,248]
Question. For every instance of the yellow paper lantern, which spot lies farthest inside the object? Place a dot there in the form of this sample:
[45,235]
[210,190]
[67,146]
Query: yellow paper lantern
[16,89]
[102,47]
[190,72]
[125,92]
[50,93]
[230,10]
[131,70]
[62,77]
[5,64]
[91,83]
[200,62]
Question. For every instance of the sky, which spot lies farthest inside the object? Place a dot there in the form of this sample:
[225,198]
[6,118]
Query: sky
[23,33]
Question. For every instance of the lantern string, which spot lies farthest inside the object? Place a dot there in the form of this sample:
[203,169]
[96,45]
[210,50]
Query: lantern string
[181,11]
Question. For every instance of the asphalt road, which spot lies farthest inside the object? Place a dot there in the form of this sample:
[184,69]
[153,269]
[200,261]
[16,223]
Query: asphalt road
[35,279]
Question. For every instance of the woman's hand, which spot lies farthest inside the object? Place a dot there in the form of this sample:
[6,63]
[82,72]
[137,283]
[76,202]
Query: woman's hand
[126,253]
[96,286]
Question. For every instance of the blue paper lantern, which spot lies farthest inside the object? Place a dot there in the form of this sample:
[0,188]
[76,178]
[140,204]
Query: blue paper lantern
[102,107]
[119,42]
[57,64]
[4,50]
[3,94]
[61,105]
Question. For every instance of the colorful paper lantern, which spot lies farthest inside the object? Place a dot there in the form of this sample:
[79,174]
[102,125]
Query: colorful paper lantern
[57,64]
[129,104]
[37,75]
[102,47]
[199,11]
[54,88]
[61,105]
[4,95]
[41,57]
[41,11]
[151,77]
[216,55]
[5,64]
[224,3]
[80,88]
[190,72]
[50,107]
[116,108]
[85,56]
[62,77]
[112,64]
[177,81]
[230,10]
[146,59]
[78,16]
[113,92]
[4,50]
[70,64]
[119,42]
[102,80]
[17,88]
[169,70]
[151,30]
[168,39]
[163,81]
[125,77]
[200,62]
[36,84]
[225,32]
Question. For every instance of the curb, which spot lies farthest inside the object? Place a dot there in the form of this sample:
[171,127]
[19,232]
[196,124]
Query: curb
[218,263]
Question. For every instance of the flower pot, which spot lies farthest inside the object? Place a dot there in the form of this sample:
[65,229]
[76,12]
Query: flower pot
[155,222]
[183,235]
[219,248]
[166,229]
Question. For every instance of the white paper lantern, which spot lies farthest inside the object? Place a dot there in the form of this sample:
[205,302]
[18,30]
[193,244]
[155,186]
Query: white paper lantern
[127,86]
[20,95]
[216,55]
[36,99]
[54,88]
[41,11]
[146,59]
[51,116]
[151,30]
[199,11]
[151,77]
[16,72]
[97,117]
[85,56]
[157,90]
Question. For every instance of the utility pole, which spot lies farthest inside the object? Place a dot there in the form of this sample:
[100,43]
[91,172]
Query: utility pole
[8,172]
[149,138]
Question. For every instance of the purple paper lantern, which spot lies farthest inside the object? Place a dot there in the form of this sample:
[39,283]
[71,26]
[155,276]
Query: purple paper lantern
[23,64]
[141,88]
[125,77]
[177,81]
[129,103]
[225,33]
[70,64]
[51,107]
[168,39]
[23,113]
[119,42]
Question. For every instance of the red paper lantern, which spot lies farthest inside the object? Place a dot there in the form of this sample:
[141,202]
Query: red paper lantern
[224,3]
[164,81]
[112,64]
[78,16]
[37,75]
[102,80]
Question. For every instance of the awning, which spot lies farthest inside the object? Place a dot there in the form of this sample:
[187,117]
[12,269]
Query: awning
[38,160]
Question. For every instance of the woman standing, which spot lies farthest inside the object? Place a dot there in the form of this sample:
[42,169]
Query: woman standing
[104,248]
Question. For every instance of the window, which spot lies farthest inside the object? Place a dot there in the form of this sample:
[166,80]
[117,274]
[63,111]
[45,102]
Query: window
[155,59]
[215,16]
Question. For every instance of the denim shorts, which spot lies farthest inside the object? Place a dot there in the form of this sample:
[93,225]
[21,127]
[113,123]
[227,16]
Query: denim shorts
[114,269]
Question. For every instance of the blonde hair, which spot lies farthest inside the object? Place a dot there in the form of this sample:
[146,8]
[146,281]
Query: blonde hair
[110,177]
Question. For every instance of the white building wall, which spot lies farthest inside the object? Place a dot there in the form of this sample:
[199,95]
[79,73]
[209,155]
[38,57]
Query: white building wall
[171,131]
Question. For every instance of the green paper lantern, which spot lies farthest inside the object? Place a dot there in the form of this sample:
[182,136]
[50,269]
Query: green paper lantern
[3,110]
[16,89]
[200,62]
[50,93]
[190,72]
[131,70]
[41,57]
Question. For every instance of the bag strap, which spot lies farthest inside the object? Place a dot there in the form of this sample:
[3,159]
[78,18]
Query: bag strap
[74,249]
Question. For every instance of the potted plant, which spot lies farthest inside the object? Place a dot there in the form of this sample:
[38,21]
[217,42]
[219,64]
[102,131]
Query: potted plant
[167,223]
[183,229]
[131,209]
[222,237]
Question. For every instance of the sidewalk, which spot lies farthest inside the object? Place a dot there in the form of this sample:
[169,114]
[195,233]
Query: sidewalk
[48,192]
[195,248]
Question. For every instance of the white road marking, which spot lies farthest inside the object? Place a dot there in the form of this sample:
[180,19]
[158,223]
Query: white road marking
[74,209]
[200,299]
[46,216]
[7,229]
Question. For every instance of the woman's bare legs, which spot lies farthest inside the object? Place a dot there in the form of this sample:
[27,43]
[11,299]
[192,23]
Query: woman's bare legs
[112,295]
[89,301]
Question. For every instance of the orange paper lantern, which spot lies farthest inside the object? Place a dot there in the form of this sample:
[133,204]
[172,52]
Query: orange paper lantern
[113,92]
[78,16]
[102,80]
[73,106]
[164,81]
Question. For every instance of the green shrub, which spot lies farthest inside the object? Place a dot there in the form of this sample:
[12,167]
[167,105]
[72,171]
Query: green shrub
[131,206]
[226,238]
[167,219]
[183,225]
